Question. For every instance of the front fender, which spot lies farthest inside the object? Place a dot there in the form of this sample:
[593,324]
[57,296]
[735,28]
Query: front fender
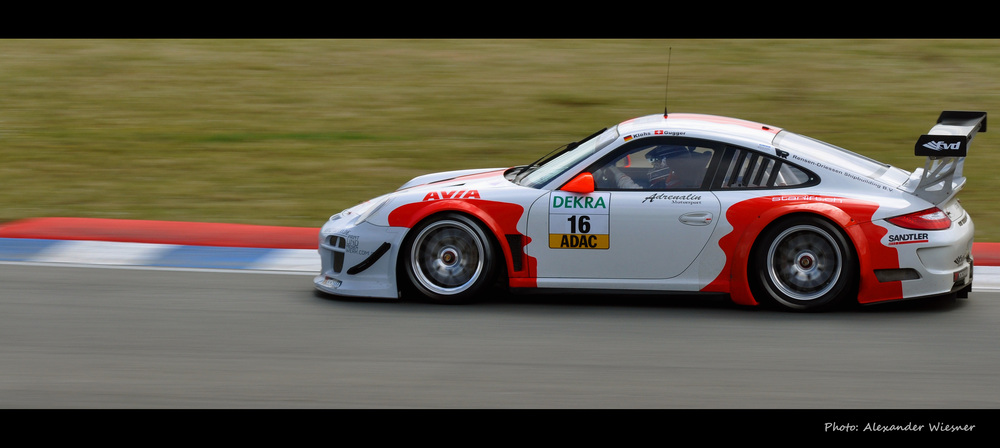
[499,218]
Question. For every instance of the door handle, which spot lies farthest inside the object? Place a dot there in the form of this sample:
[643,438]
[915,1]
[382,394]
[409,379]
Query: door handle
[696,218]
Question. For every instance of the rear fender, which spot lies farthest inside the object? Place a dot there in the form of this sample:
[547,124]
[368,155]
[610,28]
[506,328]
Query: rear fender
[851,216]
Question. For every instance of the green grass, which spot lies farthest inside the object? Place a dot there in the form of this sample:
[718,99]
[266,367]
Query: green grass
[287,132]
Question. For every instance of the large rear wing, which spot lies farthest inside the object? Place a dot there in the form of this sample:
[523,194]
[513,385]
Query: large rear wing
[945,146]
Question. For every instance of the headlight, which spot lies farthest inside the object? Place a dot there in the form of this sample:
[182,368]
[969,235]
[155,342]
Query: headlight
[364,210]
[376,205]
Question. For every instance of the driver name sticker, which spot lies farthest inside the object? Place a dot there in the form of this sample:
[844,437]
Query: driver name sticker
[579,221]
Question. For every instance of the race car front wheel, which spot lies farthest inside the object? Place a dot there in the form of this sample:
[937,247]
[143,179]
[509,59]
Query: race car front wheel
[450,259]
[804,263]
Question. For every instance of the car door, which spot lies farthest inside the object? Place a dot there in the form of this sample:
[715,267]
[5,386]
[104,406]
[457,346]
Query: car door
[642,227]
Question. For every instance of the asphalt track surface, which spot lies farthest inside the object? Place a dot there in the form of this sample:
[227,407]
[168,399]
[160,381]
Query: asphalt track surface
[138,337]
[86,337]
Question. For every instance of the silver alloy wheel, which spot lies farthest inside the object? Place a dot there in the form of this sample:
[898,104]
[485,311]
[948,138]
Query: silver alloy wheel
[804,262]
[447,257]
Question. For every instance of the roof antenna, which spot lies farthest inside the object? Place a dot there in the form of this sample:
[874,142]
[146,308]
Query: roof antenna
[666,90]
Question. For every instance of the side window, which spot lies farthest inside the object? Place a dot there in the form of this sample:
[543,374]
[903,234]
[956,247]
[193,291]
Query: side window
[656,166]
[744,169]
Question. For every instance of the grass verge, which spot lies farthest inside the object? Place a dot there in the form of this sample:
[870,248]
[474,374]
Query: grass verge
[287,132]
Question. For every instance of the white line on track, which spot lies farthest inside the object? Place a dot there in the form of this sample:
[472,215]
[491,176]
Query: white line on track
[158,268]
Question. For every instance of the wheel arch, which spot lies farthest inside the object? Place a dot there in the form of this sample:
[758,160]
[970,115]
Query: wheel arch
[437,209]
[749,241]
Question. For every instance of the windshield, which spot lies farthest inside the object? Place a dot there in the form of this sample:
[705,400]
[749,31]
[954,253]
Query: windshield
[540,173]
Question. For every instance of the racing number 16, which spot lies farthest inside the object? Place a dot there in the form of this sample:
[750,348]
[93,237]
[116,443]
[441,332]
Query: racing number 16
[581,222]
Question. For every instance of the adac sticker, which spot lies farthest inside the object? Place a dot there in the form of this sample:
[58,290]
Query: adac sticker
[579,221]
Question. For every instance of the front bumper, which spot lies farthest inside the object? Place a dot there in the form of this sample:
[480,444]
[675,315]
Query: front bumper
[358,260]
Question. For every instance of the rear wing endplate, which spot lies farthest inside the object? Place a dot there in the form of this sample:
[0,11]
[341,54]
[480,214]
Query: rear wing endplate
[945,146]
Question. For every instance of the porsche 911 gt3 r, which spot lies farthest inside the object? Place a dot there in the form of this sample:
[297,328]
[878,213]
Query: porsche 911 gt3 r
[674,202]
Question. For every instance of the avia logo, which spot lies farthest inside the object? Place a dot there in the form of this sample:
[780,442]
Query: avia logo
[454,194]
[942,146]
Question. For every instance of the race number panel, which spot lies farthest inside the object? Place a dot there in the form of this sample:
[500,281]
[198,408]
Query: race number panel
[579,221]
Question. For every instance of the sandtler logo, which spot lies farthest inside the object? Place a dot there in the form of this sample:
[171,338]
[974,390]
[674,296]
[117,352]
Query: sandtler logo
[908,238]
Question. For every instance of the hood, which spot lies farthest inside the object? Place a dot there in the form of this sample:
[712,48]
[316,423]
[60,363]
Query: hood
[455,178]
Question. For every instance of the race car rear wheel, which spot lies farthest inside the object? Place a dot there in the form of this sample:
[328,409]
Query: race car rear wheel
[804,263]
[450,259]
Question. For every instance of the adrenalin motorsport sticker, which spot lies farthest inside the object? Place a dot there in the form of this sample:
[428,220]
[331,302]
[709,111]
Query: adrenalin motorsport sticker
[579,221]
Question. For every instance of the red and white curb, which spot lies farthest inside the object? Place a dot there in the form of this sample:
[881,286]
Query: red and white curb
[109,254]
[986,278]
[160,244]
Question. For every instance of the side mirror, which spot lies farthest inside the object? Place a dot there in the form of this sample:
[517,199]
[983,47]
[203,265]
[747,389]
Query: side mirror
[582,183]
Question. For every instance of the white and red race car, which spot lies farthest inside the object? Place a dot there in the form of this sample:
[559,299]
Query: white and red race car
[675,202]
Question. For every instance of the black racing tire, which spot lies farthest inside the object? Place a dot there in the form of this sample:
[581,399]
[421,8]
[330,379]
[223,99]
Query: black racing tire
[803,263]
[449,258]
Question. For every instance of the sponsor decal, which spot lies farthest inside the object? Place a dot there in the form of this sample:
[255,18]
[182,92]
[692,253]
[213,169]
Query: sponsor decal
[816,164]
[354,245]
[807,197]
[454,194]
[639,135]
[657,132]
[331,283]
[849,175]
[907,238]
[571,241]
[941,145]
[961,275]
[584,202]
[674,198]
[579,221]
